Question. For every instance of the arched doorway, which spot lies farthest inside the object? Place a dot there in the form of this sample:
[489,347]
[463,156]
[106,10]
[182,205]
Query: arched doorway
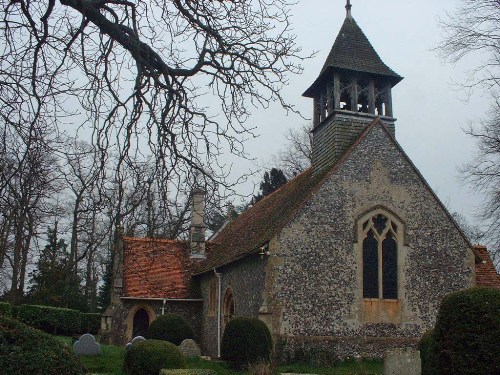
[228,306]
[140,323]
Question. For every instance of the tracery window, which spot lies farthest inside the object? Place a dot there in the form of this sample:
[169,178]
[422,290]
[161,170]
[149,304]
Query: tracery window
[380,257]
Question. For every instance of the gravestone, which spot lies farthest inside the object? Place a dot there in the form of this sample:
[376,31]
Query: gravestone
[134,340]
[405,361]
[189,348]
[87,346]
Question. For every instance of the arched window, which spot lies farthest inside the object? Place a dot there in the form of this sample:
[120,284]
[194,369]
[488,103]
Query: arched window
[380,256]
[212,297]
[228,306]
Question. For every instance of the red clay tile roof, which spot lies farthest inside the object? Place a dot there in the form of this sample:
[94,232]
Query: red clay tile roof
[486,273]
[156,268]
[258,224]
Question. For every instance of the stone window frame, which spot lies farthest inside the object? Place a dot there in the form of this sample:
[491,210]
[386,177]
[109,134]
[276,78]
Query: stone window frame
[227,300]
[400,237]
[379,310]
[212,296]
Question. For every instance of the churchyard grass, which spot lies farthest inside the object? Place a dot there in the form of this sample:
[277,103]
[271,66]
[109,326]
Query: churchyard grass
[111,360]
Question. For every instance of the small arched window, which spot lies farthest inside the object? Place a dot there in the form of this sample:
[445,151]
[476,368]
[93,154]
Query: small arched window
[380,256]
[228,306]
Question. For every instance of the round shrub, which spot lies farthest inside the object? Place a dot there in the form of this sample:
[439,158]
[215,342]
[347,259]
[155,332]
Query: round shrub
[26,350]
[245,342]
[467,332]
[170,327]
[150,356]
[427,348]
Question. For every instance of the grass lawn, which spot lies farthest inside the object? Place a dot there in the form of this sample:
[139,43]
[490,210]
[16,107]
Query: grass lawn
[111,360]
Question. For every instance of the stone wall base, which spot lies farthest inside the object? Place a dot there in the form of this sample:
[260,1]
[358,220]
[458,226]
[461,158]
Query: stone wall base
[327,350]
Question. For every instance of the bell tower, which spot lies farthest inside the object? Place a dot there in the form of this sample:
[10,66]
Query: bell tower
[353,88]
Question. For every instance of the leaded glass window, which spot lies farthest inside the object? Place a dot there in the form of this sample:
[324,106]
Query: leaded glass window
[380,257]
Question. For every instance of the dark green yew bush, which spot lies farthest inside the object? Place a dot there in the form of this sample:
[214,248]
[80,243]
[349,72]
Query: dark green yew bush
[54,320]
[428,351]
[467,333]
[150,356]
[5,309]
[25,350]
[170,327]
[246,341]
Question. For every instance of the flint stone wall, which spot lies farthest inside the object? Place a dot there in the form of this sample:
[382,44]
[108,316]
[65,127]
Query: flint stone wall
[314,279]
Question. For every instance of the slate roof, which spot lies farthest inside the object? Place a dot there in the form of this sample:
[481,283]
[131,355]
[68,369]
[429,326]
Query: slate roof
[156,268]
[486,273]
[258,224]
[353,51]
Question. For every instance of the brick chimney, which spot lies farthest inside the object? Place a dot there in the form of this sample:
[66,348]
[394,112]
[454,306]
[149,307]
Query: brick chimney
[197,229]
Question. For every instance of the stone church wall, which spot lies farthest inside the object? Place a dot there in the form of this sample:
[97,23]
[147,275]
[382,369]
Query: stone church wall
[246,279]
[316,294]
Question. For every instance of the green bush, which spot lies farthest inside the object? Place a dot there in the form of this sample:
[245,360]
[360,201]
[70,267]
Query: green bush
[246,341]
[428,350]
[467,332]
[90,323]
[53,320]
[150,356]
[5,309]
[170,327]
[25,350]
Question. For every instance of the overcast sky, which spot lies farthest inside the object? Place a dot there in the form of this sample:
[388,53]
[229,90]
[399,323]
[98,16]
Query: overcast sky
[430,109]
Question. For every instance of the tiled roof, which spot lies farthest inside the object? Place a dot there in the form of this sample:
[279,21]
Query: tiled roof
[486,274]
[155,268]
[258,224]
[353,51]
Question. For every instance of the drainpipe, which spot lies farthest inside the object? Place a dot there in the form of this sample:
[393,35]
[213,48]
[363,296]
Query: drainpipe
[219,298]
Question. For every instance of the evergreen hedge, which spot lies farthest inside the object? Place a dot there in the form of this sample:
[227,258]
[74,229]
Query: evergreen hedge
[467,332]
[428,353]
[246,341]
[150,356]
[57,320]
[25,350]
[90,323]
[5,309]
[170,327]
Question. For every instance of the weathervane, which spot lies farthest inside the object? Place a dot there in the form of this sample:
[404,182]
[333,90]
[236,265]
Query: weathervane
[348,8]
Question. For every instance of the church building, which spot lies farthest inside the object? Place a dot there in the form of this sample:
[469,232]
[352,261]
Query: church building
[350,258]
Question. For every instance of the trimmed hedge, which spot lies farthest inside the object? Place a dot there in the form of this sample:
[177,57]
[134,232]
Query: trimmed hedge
[150,356]
[5,309]
[170,327]
[467,332]
[52,320]
[428,350]
[90,323]
[246,341]
[25,350]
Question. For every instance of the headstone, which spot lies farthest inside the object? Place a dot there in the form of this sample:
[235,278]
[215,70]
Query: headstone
[87,345]
[134,341]
[405,361]
[189,348]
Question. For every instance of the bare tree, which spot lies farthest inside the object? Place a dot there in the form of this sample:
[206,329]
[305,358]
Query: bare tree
[179,76]
[296,156]
[475,27]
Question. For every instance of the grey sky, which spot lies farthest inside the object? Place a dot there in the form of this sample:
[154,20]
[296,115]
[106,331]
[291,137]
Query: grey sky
[431,111]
